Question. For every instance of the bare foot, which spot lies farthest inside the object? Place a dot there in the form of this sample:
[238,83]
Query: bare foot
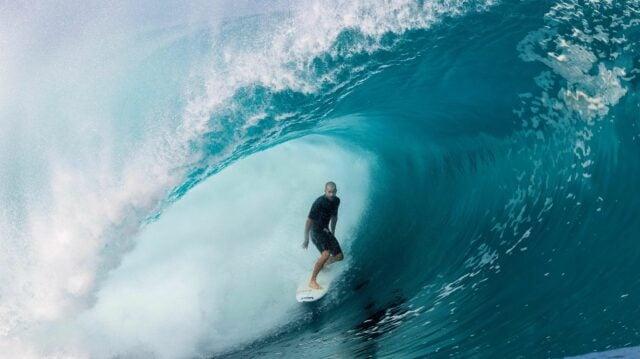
[314,285]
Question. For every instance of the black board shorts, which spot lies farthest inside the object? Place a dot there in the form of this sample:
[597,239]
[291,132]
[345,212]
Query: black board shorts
[326,241]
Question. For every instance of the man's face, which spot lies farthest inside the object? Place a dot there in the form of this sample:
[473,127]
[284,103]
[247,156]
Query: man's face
[330,192]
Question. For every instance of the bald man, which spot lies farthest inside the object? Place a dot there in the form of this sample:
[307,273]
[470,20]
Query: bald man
[322,216]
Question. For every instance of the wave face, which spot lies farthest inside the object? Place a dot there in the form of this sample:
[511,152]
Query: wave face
[157,173]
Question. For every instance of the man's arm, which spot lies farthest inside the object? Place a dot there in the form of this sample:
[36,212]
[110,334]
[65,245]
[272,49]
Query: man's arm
[332,224]
[307,227]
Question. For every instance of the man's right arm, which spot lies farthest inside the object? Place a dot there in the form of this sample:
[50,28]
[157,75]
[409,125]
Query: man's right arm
[307,227]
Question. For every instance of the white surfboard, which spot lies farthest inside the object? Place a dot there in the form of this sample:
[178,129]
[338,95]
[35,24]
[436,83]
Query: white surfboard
[306,294]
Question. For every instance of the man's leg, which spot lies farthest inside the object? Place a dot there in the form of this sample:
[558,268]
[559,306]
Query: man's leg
[338,257]
[316,269]
[334,249]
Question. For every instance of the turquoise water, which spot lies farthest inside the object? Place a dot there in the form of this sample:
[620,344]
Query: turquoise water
[156,177]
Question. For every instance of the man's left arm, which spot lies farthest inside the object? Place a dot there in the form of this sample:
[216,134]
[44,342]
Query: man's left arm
[334,218]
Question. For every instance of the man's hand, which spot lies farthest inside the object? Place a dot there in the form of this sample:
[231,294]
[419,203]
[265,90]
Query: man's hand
[307,227]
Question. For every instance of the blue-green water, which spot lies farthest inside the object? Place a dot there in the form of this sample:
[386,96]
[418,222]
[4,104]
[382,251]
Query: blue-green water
[156,181]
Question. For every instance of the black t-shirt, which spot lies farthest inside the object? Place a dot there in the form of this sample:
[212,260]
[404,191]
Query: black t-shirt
[322,210]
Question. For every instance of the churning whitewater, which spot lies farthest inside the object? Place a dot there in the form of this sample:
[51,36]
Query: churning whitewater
[158,161]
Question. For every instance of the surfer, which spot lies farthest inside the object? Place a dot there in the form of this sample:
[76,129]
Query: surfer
[322,216]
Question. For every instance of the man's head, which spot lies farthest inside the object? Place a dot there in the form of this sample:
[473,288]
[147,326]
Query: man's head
[330,190]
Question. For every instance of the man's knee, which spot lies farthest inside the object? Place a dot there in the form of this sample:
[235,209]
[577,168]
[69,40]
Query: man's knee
[339,257]
[324,255]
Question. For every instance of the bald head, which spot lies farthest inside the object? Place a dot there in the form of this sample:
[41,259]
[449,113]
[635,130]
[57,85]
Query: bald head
[330,190]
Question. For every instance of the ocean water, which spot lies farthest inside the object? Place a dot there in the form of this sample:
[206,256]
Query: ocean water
[158,161]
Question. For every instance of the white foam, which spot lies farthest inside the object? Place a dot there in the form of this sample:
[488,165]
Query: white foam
[221,266]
